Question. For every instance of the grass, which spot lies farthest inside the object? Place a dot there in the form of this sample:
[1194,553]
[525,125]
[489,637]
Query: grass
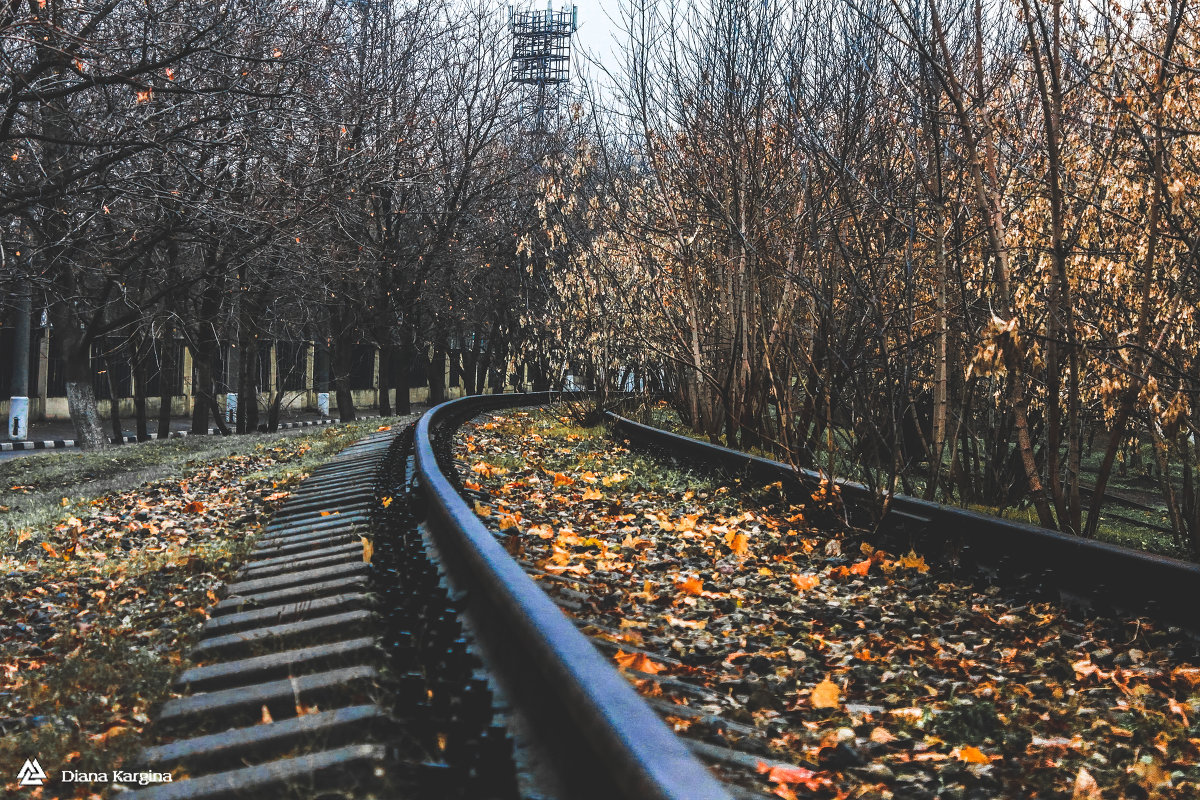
[40,489]
[103,594]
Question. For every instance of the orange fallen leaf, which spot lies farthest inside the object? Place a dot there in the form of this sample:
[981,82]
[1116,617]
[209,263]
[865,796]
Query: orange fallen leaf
[881,735]
[368,549]
[805,582]
[482,510]
[563,480]
[49,548]
[194,507]
[115,730]
[639,662]
[385,502]
[384,428]
[971,755]
[861,567]
[1086,787]
[739,543]
[508,522]
[266,716]
[1178,708]
[592,494]
[692,586]
[825,695]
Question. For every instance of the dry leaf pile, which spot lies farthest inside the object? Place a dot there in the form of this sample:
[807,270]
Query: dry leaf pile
[95,615]
[843,671]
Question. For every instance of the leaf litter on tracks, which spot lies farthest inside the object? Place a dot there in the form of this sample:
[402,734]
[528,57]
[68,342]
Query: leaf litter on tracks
[849,671]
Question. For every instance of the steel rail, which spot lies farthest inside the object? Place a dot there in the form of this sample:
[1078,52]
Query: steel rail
[581,706]
[1101,575]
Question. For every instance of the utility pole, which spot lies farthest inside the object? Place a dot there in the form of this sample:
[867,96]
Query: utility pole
[18,407]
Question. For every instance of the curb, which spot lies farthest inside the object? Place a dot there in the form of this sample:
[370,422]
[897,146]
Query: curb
[61,444]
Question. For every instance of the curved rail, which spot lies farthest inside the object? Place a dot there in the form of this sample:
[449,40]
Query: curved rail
[616,745]
[1095,573]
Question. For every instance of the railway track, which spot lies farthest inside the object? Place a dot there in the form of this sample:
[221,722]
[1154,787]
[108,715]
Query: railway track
[446,668]
[879,676]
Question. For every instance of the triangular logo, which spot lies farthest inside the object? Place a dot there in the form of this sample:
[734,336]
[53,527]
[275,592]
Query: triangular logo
[32,773]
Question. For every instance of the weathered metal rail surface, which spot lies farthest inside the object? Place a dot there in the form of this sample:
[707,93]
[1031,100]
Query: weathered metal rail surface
[584,723]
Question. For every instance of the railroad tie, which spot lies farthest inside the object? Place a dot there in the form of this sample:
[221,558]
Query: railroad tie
[285,697]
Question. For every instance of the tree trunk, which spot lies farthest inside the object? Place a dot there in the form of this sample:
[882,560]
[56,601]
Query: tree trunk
[139,389]
[386,354]
[343,350]
[166,379]
[403,400]
[437,375]
[114,406]
[81,395]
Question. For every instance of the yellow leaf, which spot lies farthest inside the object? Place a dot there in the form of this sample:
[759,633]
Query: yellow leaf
[592,494]
[825,694]
[482,510]
[508,522]
[914,561]
[385,502]
[368,549]
[971,755]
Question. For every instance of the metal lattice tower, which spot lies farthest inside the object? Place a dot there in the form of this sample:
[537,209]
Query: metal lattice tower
[541,56]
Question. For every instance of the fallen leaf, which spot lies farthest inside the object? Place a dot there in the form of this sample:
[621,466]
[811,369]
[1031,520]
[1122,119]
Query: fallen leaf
[805,582]
[692,586]
[971,755]
[592,494]
[914,561]
[1086,787]
[266,715]
[197,507]
[825,695]
[881,735]
[368,549]
[385,502]
[639,662]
